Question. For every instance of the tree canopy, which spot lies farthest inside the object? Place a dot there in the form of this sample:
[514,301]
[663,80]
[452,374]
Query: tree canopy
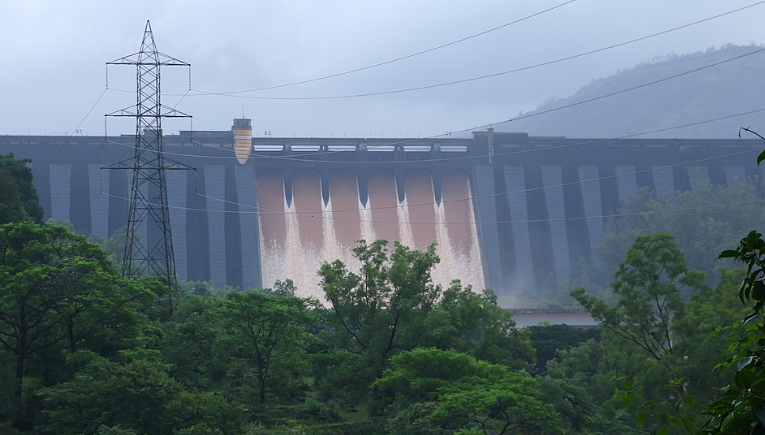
[57,288]
[19,197]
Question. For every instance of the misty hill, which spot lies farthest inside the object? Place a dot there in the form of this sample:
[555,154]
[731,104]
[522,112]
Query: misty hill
[718,91]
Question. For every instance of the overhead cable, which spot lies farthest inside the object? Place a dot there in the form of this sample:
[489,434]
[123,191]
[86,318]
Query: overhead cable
[236,94]
[230,152]
[377,221]
[398,59]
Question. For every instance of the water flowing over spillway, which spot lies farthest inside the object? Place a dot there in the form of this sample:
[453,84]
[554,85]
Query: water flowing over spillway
[300,231]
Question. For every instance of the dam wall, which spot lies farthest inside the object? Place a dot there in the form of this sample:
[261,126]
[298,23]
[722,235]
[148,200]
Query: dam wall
[548,199]
[508,211]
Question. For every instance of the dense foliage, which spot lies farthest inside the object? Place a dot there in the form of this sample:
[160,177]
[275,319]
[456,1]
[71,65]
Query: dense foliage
[18,200]
[86,352]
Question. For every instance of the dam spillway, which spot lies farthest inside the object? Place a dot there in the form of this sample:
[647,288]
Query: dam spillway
[302,230]
[508,211]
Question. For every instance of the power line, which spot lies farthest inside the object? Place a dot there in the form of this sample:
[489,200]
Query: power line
[69,182]
[398,59]
[601,97]
[89,111]
[576,103]
[518,152]
[235,94]
[397,91]
[260,210]
[577,218]
[229,151]
[651,83]
[556,61]
[530,150]
[524,191]
[523,116]
[581,102]
[514,152]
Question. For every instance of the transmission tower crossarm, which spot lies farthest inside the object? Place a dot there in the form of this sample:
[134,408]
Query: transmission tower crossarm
[176,165]
[171,112]
[135,59]
[135,111]
[131,111]
[168,163]
[124,164]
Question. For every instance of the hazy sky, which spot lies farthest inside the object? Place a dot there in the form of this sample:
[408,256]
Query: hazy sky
[54,54]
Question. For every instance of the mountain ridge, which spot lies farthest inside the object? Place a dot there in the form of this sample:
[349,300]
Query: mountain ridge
[707,85]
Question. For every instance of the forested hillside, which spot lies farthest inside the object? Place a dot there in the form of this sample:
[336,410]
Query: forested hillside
[669,91]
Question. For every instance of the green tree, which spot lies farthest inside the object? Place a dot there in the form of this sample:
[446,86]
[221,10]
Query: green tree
[741,408]
[114,430]
[135,393]
[18,197]
[283,288]
[580,383]
[645,319]
[641,213]
[441,391]
[549,339]
[192,345]
[374,308]
[473,323]
[648,287]
[115,247]
[272,326]
[50,278]
[698,343]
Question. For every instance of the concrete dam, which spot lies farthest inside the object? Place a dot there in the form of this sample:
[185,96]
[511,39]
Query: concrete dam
[508,211]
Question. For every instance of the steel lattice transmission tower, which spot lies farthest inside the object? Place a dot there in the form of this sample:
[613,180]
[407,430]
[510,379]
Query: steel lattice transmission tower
[149,242]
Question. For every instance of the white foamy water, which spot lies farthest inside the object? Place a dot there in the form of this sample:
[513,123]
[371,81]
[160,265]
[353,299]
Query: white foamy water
[457,261]
[296,252]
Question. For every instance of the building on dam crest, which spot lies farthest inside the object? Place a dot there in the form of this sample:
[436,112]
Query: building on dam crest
[508,211]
